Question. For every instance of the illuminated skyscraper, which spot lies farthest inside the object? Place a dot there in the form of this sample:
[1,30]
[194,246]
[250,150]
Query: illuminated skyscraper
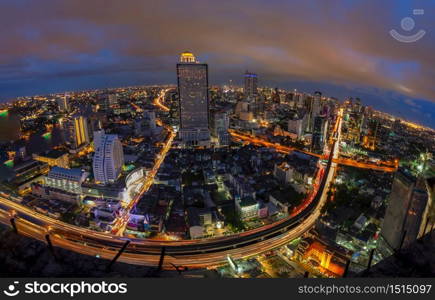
[220,123]
[251,82]
[108,157]
[81,130]
[194,103]
[76,131]
[317,101]
[107,101]
[298,123]
[407,211]
[357,106]
[320,129]
[63,103]
[150,119]
[314,110]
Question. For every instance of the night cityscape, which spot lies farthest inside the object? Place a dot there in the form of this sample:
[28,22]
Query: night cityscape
[201,140]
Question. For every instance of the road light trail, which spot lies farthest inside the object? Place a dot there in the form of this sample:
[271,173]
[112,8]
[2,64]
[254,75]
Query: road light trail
[287,149]
[192,253]
[158,100]
[121,222]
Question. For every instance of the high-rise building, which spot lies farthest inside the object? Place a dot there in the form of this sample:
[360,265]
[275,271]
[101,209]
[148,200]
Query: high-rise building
[299,99]
[76,131]
[317,101]
[357,106]
[220,123]
[406,214]
[242,106]
[297,124]
[108,157]
[276,96]
[369,140]
[94,122]
[146,124]
[314,108]
[81,130]
[94,119]
[149,117]
[194,103]
[63,103]
[251,82]
[320,128]
[107,100]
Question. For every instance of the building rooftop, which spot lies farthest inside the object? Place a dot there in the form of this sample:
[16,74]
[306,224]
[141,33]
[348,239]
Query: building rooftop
[417,260]
[70,172]
[247,201]
[53,154]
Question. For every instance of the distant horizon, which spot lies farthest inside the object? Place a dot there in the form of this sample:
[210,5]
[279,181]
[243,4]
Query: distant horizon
[382,108]
[217,139]
[58,46]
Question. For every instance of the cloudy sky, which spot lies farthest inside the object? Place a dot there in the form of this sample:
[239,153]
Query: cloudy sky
[342,48]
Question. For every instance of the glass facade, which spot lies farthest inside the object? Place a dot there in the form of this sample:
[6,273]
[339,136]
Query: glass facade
[194,102]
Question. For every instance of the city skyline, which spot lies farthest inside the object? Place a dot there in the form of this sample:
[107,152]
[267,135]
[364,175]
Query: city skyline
[276,156]
[243,139]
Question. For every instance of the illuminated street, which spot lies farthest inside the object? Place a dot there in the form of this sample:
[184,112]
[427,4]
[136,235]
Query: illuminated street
[200,139]
[74,238]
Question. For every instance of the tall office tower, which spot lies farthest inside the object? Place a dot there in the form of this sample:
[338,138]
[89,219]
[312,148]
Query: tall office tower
[407,211]
[146,125]
[194,102]
[371,127]
[290,100]
[220,123]
[396,125]
[251,81]
[276,96]
[93,119]
[242,106]
[63,103]
[357,106]
[320,129]
[112,99]
[76,131]
[308,104]
[108,157]
[317,102]
[107,100]
[257,108]
[325,110]
[94,124]
[297,124]
[300,102]
[149,117]
[314,110]
[368,112]
[81,130]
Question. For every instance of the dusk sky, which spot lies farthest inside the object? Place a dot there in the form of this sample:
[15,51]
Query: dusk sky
[342,48]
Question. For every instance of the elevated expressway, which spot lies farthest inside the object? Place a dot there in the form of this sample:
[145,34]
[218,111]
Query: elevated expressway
[192,253]
[382,166]
[187,253]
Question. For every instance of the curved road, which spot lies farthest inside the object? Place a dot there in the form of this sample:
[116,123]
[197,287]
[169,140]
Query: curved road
[191,253]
